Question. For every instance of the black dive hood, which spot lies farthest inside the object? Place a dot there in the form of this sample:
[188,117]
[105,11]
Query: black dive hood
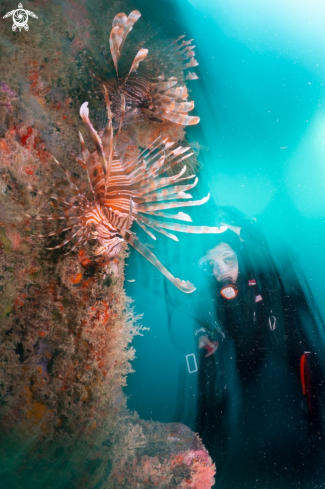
[228,289]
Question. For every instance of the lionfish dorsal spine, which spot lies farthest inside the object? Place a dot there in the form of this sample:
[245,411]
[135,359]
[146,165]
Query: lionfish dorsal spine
[108,138]
[96,162]
[127,23]
[122,116]
[84,113]
[164,182]
[134,165]
[121,27]
[141,55]
[115,40]
[84,149]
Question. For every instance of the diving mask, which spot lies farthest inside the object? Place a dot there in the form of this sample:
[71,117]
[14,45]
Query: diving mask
[220,262]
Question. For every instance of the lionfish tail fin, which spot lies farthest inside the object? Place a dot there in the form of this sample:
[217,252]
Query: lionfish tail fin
[184,286]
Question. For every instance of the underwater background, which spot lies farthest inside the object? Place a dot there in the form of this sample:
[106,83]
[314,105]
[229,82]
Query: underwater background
[261,149]
[261,102]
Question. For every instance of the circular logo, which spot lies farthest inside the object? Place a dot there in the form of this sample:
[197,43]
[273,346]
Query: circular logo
[20,19]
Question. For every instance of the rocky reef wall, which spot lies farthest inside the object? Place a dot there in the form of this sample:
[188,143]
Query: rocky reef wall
[66,325]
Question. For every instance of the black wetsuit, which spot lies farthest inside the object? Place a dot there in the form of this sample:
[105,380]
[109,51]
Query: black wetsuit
[252,414]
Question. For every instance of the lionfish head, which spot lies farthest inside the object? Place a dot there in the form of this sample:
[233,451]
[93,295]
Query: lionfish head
[135,108]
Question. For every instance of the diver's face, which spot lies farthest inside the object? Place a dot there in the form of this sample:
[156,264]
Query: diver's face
[224,263]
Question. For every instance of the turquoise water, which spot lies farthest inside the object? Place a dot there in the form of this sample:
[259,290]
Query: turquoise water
[261,101]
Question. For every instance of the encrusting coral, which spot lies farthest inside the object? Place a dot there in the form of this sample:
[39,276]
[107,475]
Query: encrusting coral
[176,458]
[65,322]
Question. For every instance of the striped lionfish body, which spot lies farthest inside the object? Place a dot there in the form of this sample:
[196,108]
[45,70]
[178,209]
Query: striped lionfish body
[123,192]
[148,94]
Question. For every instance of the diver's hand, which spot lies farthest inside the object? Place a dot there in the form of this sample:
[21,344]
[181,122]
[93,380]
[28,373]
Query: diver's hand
[211,346]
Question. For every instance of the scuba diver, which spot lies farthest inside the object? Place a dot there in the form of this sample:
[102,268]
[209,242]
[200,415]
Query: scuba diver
[260,378]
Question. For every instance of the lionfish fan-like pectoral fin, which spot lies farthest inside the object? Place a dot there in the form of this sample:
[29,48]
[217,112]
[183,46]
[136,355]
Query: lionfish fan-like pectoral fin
[59,231]
[157,164]
[191,76]
[55,217]
[129,219]
[179,38]
[191,64]
[134,164]
[67,240]
[180,118]
[165,85]
[171,205]
[187,52]
[146,230]
[184,228]
[172,192]
[67,174]
[50,196]
[153,225]
[177,162]
[82,239]
[164,182]
[184,286]
[183,107]
[177,92]
[181,216]
[137,60]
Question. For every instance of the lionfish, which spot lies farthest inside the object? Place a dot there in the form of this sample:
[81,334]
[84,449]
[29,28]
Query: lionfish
[121,192]
[147,93]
